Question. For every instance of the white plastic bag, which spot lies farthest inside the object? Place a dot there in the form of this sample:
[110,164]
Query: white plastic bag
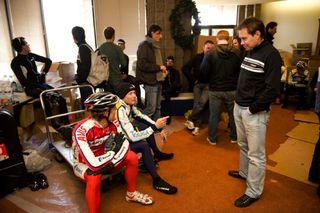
[34,162]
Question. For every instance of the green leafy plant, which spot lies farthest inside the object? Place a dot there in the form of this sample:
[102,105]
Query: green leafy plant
[179,34]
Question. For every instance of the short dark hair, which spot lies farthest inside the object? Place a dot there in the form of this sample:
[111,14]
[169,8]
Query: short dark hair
[208,42]
[271,25]
[253,25]
[152,29]
[170,57]
[121,41]
[78,33]
[108,32]
[17,43]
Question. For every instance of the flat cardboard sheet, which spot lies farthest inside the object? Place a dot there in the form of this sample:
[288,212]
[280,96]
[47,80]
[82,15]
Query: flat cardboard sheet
[306,116]
[296,164]
[307,132]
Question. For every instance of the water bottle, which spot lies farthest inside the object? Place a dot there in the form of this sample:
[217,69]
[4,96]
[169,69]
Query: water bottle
[6,84]
[14,87]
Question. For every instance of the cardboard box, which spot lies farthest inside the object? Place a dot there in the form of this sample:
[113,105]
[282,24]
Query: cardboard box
[26,115]
[65,70]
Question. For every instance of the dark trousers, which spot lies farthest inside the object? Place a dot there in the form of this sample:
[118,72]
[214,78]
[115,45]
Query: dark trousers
[143,147]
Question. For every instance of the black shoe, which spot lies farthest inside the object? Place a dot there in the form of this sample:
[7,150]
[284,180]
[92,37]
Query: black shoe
[42,180]
[236,174]
[163,156]
[33,182]
[244,201]
[162,186]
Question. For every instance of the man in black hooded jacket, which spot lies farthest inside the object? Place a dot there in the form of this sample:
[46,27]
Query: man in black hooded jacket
[221,67]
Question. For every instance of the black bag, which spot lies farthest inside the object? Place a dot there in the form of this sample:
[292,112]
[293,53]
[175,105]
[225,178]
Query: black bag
[13,172]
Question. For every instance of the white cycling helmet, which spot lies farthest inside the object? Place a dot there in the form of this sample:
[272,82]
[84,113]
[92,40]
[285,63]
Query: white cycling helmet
[100,102]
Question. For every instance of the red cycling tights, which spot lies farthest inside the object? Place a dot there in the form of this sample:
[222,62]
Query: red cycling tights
[93,182]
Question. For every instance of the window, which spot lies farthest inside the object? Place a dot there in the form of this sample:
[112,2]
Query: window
[216,17]
[218,14]
[60,17]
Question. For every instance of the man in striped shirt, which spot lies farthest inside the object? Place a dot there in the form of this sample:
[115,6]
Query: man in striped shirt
[258,86]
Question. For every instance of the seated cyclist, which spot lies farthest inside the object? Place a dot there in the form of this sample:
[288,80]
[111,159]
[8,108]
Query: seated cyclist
[100,148]
[130,118]
[298,80]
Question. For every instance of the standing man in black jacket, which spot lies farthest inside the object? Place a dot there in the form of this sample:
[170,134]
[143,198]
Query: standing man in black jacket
[258,86]
[151,71]
[83,60]
[271,29]
[221,66]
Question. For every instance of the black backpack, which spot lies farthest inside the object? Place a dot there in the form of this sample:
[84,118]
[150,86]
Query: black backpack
[13,172]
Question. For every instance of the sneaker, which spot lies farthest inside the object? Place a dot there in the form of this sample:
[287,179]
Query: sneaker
[138,197]
[163,156]
[189,125]
[162,186]
[233,141]
[211,142]
[196,131]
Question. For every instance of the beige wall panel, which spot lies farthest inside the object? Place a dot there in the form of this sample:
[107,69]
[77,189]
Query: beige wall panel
[297,22]
[26,18]
[127,17]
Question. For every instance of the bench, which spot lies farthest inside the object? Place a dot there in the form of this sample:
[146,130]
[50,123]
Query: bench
[180,104]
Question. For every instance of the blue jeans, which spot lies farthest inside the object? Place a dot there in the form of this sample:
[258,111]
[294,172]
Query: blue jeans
[251,132]
[153,101]
[215,101]
[200,93]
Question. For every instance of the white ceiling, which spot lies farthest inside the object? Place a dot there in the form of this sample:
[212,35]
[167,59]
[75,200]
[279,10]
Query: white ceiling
[237,2]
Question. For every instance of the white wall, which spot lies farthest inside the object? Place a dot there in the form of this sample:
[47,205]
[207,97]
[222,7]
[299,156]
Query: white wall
[126,17]
[26,17]
[298,21]
[128,20]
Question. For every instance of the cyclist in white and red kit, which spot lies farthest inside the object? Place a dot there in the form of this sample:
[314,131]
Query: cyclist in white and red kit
[100,147]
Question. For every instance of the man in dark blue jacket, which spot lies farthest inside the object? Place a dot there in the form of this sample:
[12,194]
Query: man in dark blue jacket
[258,86]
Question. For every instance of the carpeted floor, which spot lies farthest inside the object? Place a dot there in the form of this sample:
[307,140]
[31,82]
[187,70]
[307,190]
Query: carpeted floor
[198,169]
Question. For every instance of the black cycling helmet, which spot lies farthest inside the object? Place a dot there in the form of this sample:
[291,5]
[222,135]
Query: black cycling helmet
[100,102]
